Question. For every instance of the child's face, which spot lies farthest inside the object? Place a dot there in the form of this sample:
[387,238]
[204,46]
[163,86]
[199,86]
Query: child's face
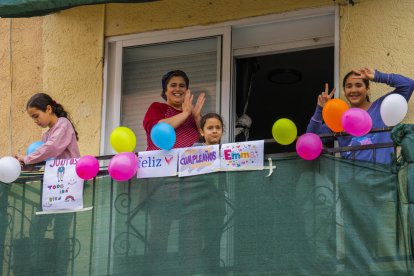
[41,118]
[212,131]
[355,91]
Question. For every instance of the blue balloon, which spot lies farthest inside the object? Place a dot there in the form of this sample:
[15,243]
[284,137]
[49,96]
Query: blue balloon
[163,136]
[33,147]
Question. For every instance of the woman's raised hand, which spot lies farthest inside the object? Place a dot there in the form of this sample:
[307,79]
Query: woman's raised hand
[325,95]
[187,105]
[199,105]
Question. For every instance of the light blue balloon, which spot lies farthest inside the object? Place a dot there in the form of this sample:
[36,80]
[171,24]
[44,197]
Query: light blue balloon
[33,147]
[163,136]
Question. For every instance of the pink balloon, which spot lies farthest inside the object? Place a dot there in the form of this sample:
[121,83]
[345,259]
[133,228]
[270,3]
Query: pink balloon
[356,121]
[87,167]
[123,166]
[309,146]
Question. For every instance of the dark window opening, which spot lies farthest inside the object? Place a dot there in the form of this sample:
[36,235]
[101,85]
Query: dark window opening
[278,86]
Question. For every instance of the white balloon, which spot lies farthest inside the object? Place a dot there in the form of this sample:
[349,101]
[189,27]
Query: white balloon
[9,169]
[393,109]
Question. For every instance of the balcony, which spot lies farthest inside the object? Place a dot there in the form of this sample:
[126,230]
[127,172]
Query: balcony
[329,216]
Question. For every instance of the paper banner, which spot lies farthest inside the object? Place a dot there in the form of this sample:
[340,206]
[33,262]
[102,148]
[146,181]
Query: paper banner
[62,188]
[198,160]
[157,163]
[242,156]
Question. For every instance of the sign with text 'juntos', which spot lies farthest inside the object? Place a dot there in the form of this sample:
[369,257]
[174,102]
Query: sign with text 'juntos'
[157,163]
[62,187]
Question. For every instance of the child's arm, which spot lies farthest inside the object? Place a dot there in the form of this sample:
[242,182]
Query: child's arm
[58,140]
[403,85]
[316,122]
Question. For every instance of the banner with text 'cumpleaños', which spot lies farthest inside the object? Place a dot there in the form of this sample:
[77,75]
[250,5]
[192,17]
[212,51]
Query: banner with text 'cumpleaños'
[157,163]
[242,156]
[62,187]
[198,160]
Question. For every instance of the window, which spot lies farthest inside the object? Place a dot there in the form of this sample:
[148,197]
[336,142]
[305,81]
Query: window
[214,58]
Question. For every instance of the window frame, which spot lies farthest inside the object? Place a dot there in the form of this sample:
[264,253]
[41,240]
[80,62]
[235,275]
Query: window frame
[112,72]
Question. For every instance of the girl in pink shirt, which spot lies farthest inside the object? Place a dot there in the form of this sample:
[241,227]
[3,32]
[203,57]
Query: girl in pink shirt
[60,140]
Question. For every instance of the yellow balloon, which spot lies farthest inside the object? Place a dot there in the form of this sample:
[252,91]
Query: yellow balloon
[123,139]
[284,131]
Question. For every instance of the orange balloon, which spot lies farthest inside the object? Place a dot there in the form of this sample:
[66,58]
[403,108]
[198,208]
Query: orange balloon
[332,114]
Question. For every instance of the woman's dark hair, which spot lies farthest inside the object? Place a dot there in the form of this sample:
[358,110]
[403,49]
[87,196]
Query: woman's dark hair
[204,119]
[366,82]
[41,101]
[166,78]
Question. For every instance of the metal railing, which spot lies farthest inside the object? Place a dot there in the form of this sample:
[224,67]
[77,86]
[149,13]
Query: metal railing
[113,236]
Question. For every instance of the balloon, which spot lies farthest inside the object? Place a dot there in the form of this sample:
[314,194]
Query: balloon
[393,109]
[332,114]
[309,146]
[356,121]
[163,136]
[87,167]
[33,147]
[123,139]
[123,166]
[284,131]
[9,169]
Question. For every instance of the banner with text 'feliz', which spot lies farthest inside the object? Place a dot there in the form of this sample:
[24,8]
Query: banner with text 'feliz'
[157,163]
[62,187]
[198,160]
[242,156]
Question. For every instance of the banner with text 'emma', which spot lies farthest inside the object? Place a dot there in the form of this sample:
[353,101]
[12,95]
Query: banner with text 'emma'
[242,156]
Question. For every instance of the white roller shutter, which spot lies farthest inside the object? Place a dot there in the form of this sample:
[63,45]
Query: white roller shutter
[141,78]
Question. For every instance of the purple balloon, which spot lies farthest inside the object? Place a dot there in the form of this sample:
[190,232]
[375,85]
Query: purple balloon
[309,146]
[87,167]
[356,121]
[123,166]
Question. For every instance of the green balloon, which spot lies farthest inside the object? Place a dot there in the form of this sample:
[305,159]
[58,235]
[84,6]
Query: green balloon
[284,131]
